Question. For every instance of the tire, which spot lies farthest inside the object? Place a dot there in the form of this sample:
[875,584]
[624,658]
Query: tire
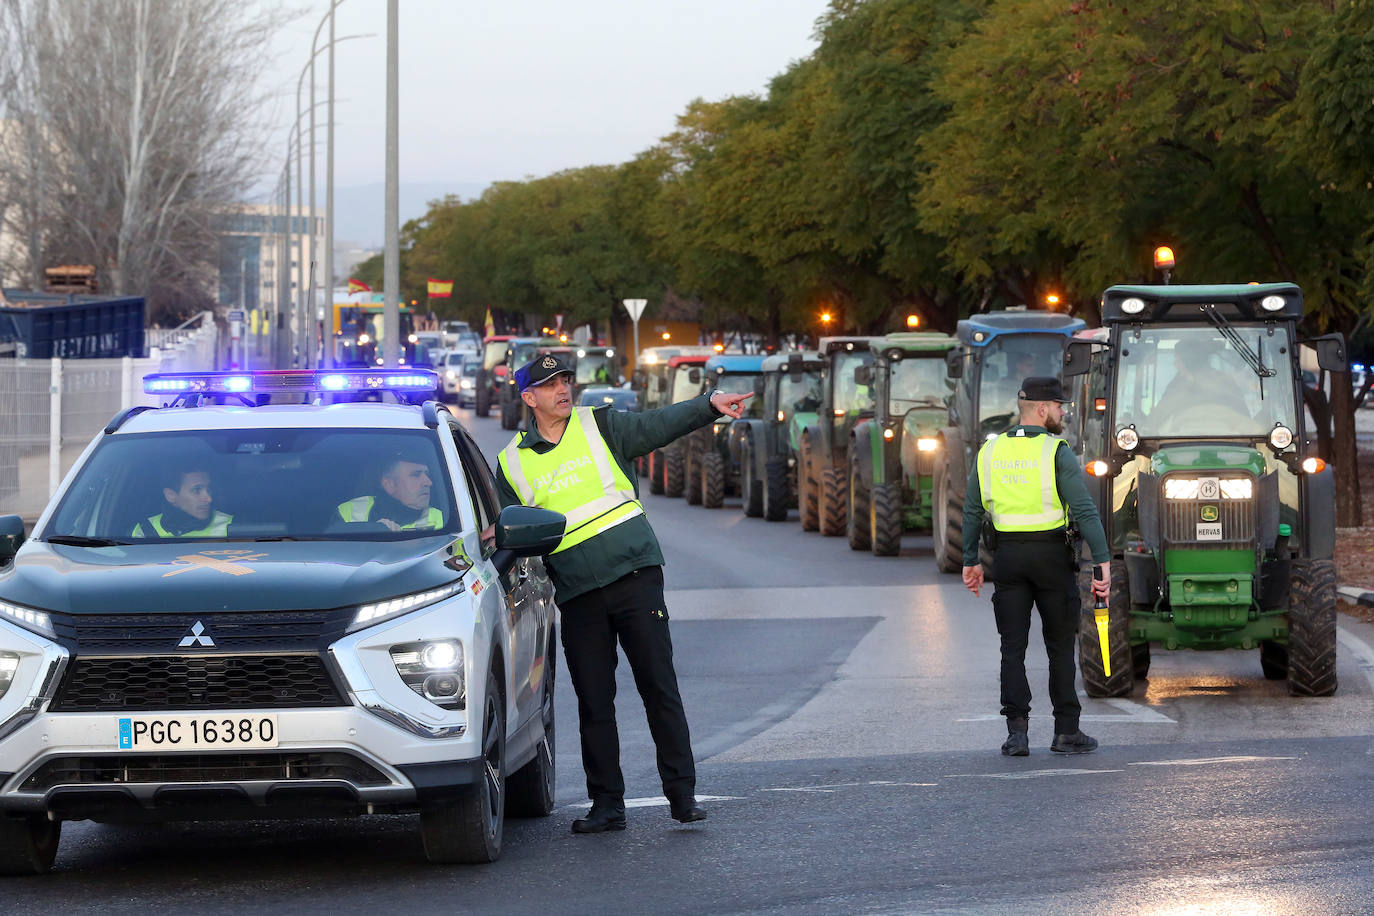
[1096,683]
[674,480]
[28,845]
[1312,629]
[834,502]
[885,520]
[1140,660]
[530,790]
[467,831]
[692,480]
[712,480]
[1274,660]
[857,527]
[654,462]
[777,494]
[808,491]
[483,405]
[947,519]
[750,487]
[510,416]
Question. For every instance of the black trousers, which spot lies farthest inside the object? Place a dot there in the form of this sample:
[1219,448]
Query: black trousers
[1039,571]
[632,610]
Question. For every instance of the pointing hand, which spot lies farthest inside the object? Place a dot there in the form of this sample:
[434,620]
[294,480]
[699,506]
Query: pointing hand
[732,405]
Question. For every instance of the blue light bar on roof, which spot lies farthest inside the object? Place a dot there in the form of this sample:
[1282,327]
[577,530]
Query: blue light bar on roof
[276,380]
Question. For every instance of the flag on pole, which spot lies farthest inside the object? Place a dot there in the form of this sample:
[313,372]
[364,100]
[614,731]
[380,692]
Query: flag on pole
[440,289]
[489,326]
[357,286]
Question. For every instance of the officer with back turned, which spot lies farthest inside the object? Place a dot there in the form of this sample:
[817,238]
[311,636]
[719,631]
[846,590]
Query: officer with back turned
[1022,482]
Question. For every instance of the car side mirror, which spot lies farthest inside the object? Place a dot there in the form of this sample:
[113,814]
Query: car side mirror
[863,375]
[527,531]
[11,536]
[1331,354]
[694,376]
[1078,358]
[954,363]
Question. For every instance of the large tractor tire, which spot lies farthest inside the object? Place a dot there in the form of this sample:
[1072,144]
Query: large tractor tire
[1096,682]
[947,517]
[808,490]
[655,461]
[777,494]
[885,520]
[674,476]
[857,527]
[692,479]
[1312,629]
[712,480]
[483,402]
[750,487]
[834,502]
[510,415]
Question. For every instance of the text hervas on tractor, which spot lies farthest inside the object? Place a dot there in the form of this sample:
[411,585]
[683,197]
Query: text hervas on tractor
[1219,514]
[893,456]
[823,481]
[996,352]
[768,445]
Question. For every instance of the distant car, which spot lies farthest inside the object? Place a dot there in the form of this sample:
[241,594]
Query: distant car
[460,377]
[619,398]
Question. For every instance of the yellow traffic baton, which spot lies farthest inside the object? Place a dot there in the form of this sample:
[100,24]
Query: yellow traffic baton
[1100,615]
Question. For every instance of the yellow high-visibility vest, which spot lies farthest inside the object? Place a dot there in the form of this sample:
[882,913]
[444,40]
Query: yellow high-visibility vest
[1016,482]
[577,477]
[360,510]
[218,527]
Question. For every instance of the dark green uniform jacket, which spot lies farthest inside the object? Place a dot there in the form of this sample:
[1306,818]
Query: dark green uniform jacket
[630,545]
[1073,492]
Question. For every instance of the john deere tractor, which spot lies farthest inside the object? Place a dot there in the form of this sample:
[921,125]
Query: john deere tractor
[767,446]
[825,444]
[996,351]
[893,456]
[1219,514]
[712,468]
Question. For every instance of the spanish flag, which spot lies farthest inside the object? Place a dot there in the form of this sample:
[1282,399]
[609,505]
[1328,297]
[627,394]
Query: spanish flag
[440,289]
[488,325]
[357,286]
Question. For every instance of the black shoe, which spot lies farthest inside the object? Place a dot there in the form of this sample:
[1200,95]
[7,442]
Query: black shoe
[686,810]
[1018,742]
[600,819]
[1077,743]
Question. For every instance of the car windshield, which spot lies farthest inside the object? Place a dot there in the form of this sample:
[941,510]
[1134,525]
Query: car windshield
[454,359]
[742,383]
[245,484]
[1190,381]
[850,396]
[1007,360]
[684,389]
[802,396]
[919,381]
[523,354]
[592,368]
[494,354]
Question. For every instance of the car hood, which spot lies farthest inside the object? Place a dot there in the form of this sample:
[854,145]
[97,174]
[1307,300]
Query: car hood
[227,576]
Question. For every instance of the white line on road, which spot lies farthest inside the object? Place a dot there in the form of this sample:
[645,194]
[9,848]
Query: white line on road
[829,788]
[1032,774]
[1136,714]
[1202,761]
[658,801]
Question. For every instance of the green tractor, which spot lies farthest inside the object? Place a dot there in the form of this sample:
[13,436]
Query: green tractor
[996,351]
[892,457]
[823,490]
[767,447]
[1220,518]
[713,470]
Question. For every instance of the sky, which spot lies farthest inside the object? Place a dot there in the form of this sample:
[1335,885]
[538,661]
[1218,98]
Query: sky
[507,90]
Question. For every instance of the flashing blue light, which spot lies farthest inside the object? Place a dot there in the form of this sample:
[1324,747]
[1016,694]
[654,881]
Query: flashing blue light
[1358,367]
[238,383]
[404,381]
[153,386]
[333,383]
[280,380]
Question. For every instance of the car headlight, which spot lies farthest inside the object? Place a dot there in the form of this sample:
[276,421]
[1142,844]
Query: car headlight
[1280,437]
[1127,438]
[1237,488]
[451,375]
[370,614]
[30,619]
[433,669]
[9,663]
[1181,488]
[466,383]
[927,445]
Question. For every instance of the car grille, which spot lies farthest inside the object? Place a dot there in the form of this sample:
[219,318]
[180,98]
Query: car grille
[238,631]
[95,683]
[134,769]
[1180,518]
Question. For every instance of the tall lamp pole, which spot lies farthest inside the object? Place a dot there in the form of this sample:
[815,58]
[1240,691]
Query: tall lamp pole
[391,260]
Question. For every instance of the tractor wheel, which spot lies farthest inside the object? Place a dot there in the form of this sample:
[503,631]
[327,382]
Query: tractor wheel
[776,490]
[885,519]
[947,519]
[750,487]
[834,502]
[691,474]
[483,405]
[856,511]
[510,415]
[808,491]
[674,478]
[654,465]
[1312,629]
[1274,660]
[1096,682]
[712,480]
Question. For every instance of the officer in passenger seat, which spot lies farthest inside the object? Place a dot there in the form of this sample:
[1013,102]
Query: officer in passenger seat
[189,512]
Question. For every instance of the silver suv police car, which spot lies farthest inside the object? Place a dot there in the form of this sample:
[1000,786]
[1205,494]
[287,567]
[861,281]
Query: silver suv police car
[233,610]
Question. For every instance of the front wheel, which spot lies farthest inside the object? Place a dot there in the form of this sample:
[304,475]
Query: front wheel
[28,845]
[1096,681]
[750,487]
[808,490]
[468,831]
[834,502]
[885,519]
[1312,629]
[692,480]
[653,463]
[947,519]
[777,493]
[712,480]
[483,403]
[674,480]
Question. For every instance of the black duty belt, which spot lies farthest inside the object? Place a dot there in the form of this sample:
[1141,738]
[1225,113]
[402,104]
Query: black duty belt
[1054,534]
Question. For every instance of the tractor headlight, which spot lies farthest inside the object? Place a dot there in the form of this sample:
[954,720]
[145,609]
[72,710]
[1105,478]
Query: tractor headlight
[889,434]
[927,445]
[1238,488]
[1271,303]
[1280,437]
[1181,488]
[1127,438]
[1133,306]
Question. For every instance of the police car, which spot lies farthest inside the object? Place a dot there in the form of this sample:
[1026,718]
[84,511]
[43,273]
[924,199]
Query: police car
[231,610]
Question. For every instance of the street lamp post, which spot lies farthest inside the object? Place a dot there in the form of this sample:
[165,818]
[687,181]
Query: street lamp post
[391,259]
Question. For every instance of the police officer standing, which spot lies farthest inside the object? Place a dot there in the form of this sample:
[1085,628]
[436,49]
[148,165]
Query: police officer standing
[608,571]
[1023,481]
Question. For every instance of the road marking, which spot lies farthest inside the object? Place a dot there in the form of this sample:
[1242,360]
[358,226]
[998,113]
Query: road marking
[829,788]
[1202,761]
[1032,774]
[1364,655]
[1136,714]
[658,801]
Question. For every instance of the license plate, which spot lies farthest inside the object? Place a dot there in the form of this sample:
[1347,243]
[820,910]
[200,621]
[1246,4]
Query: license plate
[211,731]
[1209,532]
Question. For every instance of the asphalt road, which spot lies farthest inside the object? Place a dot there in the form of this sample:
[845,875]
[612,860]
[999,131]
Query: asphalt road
[844,714]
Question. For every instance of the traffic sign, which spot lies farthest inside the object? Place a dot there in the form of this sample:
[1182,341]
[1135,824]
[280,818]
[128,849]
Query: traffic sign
[237,315]
[635,307]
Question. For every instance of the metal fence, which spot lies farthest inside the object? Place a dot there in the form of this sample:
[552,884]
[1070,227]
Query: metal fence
[51,409]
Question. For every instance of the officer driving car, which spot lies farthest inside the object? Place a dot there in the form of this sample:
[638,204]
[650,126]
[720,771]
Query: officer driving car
[402,500]
[189,512]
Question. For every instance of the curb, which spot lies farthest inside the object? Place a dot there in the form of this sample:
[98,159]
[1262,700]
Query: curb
[1352,595]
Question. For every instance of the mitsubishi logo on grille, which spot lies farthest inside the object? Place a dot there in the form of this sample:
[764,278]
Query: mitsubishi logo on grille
[197,636]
